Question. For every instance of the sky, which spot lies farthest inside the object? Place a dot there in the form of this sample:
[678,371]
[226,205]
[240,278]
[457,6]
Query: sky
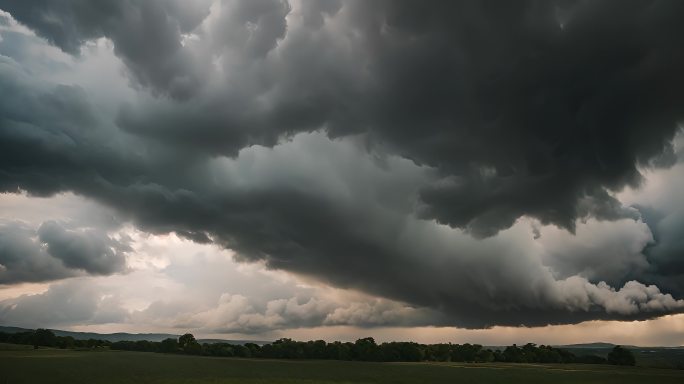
[472,171]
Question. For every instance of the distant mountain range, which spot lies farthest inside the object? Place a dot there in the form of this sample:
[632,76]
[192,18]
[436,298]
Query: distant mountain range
[610,346]
[591,346]
[121,336]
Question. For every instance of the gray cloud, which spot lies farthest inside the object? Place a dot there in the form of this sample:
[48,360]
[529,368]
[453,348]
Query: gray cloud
[464,113]
[92,251]
[599,251]
[542,108]
[662,210]
[23,260]
[62,304]
[54,252]
[146,34]
[522,116]
[251,29]
[235,313]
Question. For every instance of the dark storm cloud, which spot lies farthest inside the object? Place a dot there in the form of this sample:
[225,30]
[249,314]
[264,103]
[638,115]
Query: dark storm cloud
[146,34]
[55,252]
[528,117]
[47,134]
[522,116]
[502,112]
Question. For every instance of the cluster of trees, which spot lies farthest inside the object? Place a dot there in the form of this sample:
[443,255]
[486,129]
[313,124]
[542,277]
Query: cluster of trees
[365,349]
[621,356]
[47,338]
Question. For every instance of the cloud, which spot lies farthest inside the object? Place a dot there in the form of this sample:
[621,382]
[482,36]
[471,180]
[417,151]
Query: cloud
[93,251]
[63,304]
[378,313]
[203,290]
[599,250]
[234,313]
[45,239]
[633,298]
[660,204]
[4,19]
[22,259]
[146,34]
[548,108]
[54,252]
[542,122]
[371,146]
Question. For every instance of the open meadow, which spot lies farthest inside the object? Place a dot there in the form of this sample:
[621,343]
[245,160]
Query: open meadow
[67,366]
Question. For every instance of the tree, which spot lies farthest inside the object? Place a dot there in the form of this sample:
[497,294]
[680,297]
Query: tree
[621,356]
[186,339]
[44,337]
[339,351]
[66,342]
[366,350]
[440,352]
[169,345]
[512,354]
[485,356]
[193,348]
[189,345]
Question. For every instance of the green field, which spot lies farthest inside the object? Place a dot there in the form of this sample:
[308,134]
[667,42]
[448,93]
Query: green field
[65,366]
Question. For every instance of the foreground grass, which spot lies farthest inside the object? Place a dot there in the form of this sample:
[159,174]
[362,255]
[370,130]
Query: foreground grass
[14,347]
[59,366]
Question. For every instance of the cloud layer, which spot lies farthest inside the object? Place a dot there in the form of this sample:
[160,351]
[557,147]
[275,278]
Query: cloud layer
[53,252]
[422,155]
[531,109]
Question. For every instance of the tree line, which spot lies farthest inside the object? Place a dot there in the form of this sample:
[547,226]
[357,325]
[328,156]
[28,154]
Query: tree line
[365,349]
[47,338]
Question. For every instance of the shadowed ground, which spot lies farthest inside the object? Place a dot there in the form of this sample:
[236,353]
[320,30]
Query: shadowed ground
[64,366]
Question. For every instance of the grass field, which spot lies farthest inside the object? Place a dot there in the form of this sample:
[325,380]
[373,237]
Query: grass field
[64,366]
[14,347]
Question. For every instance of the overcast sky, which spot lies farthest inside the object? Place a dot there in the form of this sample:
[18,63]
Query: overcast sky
[477,171]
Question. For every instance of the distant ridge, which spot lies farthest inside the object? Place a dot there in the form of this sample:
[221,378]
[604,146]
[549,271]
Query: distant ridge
[590,345]
[119,336]
[122,336]
[610,345]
